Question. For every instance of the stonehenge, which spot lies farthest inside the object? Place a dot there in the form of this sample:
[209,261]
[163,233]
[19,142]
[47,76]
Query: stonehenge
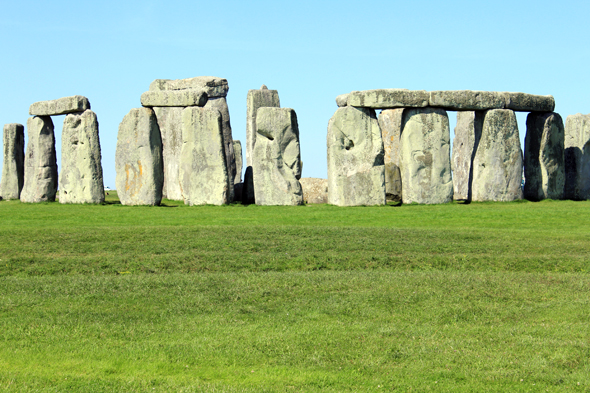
[390,122]
[13,168]
[577,157]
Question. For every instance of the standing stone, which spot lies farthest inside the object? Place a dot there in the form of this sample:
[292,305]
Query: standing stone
[497,165]
[40,162]
[257,99]
[13,169]
[577,157]
[544,168]
[248,187]
[425,160]
[170,124]
[80,180]
[467,136]
[390,122]
[203,166]
[314,190]
[138,160]
[356,169]
[276,161]
[239,164]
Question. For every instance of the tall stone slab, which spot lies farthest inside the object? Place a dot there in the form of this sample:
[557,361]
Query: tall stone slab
[497,165]
[390,122]
[138,159]
[425,160]
[170,124]
[239,164]
[257,99]
[203,166]
[544,165]
[40,162]
[467,136]
[577,157]
[13,168]
[80,180]
[356,167]
[276,161]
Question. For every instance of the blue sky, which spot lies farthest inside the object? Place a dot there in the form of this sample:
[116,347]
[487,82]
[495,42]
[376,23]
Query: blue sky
[309,51]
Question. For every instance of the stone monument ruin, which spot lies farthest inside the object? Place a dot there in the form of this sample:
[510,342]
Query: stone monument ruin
[13,168]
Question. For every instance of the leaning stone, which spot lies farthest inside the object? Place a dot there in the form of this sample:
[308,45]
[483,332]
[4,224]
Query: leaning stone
[577,157]
[204,178]
[239,164]
[467,136]
[497,165]
[523,102]
[174,98]
[342,100]
[212,85]
[276,162]
[170,124]
[356,170]
[390,122]
[467,100]
[257,99]
[13,169]
[61,106]
[138,159]
[40,162]
[425,161]
[80,180]
[388,98]
[314,190]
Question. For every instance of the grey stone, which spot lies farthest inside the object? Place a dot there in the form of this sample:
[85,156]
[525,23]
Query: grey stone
[257,99]
[212,85]
[544,166]
[577,157]
[248,197]
[425,161]
[390,122]
[13,169]
[276,161]
[138,159]
[239,164]
[204,178]
[356,169]
[497,165]
[170,124]
[40,162]
[388,98]
[528,102]
[342,100]
[80,180]
[467,100]
[174,98]
[61,106]
[467,136]
[314,190]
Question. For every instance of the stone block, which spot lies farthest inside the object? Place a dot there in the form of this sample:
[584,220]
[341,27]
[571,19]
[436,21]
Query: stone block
[257,99]
[61,106]
[13,168]
[390,122]
[342,100]
[239,164]
[467,100]
[314,190]
[174,98]
[388,98]
[577,157]
[467,136]
[212,85]
[522,102]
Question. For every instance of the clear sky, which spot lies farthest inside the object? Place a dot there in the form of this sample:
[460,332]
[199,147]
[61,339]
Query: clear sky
[310,51]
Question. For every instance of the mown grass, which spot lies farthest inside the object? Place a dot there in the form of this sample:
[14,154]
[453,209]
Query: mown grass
[479,297]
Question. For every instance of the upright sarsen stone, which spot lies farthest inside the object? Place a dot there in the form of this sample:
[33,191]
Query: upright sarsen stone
[257,99]
[390,122]
[467,136]
[170,124]
[544,169]
[425,161]
[80,180]
[40,162]
[356,169]
[220,104]
[239,164]
[497,165]
[276,161]
[13,169]
[138,160]
[577,157]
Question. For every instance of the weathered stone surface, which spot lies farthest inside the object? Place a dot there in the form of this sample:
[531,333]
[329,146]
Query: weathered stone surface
[257,99]
[356,169]
[61,106]
[239,164]
[342,100]
[80,180]
[170,124]
[174,98]
[425,161]
[276,161]
[212,85]
[528,102]
[467,100]
[40,162]
[204,177]
[138,159]
[544,166]
[390,122]
[388,98]
[497,165]
[577,157]
[467,136]
[314,190]
[248,188]
[13,169]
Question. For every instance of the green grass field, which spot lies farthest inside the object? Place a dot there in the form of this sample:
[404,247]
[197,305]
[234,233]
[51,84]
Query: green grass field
[478,297]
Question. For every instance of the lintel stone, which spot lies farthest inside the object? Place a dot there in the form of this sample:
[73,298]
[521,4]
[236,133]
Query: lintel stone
[522,102]
[467,100]
[60,106]
[388,98]
[183,98]
[212,85]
